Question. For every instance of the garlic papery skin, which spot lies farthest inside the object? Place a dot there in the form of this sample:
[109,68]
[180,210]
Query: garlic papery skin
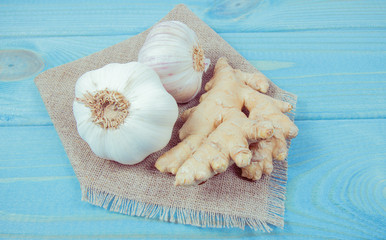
[123,112]
[172,49]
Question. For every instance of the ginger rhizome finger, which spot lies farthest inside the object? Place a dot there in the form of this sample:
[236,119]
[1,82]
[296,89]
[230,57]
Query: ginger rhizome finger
[216,133]
[265,108]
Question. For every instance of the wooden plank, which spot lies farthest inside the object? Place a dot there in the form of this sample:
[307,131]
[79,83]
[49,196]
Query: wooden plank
[335,74]
[330,53]
[336,173]
[335,189]
[47,18]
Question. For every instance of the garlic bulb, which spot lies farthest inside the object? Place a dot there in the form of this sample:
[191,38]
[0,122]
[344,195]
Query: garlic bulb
[173,51]
[123,112]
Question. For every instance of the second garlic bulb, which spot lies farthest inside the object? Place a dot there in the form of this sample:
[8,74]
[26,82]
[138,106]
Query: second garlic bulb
[173,51]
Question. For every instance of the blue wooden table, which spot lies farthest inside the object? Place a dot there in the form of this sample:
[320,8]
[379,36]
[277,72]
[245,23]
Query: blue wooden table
[332,54]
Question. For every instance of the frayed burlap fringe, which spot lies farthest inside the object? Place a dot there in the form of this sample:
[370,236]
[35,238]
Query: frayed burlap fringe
[121,204]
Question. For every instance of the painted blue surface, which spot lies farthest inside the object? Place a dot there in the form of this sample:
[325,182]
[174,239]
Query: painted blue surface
[332,54]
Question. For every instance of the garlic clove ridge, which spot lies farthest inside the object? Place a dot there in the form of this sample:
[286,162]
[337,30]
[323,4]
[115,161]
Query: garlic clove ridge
[172,49]
[148,125]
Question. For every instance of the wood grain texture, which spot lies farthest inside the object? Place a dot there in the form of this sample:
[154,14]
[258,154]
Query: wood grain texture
[20,102]
[329,195]
[48,18]
[332,54]
[317,66]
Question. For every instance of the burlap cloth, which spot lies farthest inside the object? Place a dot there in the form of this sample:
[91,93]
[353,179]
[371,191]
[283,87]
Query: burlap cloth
[226,200]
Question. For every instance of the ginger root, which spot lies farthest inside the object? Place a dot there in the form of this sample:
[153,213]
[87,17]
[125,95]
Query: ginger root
[216,133]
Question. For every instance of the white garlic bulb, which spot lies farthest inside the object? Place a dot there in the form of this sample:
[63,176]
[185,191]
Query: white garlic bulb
[123,112]
[173,51]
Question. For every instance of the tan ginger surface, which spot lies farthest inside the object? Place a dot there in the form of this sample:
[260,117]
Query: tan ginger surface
[216,133]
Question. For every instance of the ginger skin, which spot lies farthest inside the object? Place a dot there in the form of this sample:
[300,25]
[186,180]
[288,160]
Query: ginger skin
[272,148]
[216,133]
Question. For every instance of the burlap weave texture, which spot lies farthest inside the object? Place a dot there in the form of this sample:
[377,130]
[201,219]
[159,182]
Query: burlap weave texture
[226,200]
